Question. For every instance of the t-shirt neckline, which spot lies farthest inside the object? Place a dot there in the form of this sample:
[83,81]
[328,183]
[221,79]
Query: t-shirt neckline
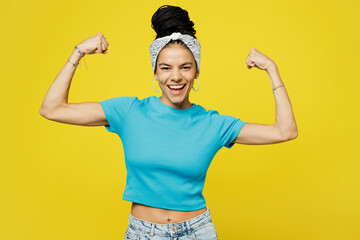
[171,109]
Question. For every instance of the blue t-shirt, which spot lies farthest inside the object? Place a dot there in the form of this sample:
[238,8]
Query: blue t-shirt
[167,150]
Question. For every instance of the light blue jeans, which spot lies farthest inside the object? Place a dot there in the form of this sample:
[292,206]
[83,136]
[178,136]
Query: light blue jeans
[198,228]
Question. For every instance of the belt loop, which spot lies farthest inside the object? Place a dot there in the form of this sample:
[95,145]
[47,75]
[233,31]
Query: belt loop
[188,226]
[152,229]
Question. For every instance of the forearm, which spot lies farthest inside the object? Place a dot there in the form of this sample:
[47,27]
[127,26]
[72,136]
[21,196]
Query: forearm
[58,92]
[284,117]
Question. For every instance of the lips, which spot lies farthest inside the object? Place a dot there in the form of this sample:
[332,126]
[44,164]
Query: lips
[176,91]
[176,88]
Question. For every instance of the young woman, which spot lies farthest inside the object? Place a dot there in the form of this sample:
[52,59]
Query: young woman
[168,141]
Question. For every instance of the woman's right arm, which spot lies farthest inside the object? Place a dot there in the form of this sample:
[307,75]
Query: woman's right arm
[55,105]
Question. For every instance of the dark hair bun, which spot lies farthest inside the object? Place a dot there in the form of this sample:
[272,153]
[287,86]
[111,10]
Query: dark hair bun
[168,19]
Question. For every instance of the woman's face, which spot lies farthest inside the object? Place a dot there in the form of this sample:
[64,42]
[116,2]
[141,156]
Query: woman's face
[176,66]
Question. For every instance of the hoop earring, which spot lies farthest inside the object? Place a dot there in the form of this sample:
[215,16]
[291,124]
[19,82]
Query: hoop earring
[154,86]
[198,86]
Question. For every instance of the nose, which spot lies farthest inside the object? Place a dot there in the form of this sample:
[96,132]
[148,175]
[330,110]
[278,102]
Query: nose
[175,75]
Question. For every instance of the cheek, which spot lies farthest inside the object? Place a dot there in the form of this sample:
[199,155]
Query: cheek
[162,84]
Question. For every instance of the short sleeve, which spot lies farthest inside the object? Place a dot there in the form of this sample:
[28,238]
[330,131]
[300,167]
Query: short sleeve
[227,127]
[115,110]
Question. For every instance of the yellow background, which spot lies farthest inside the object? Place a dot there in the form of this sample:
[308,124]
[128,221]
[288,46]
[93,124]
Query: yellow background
[62,181]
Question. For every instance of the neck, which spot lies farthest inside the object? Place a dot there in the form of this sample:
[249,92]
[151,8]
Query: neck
[178,105]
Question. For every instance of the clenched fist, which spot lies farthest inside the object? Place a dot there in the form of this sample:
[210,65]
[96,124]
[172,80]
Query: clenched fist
[259,60]
[94,44]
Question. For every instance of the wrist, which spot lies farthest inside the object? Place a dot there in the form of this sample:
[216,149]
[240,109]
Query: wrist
[79,50]
[271,68]
[274,75]
[75,56]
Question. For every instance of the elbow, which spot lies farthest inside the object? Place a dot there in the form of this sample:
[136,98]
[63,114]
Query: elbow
[43,112]
[288,134]
[293,135]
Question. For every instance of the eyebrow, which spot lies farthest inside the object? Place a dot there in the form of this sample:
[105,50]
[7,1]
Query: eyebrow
[181,64]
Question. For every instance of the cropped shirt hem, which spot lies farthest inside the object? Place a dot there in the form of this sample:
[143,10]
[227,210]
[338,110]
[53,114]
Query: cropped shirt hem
[165,205]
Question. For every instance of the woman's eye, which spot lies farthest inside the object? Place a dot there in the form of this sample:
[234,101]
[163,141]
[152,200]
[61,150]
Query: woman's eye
[166,68]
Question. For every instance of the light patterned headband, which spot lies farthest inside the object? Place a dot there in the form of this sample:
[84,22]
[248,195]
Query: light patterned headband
[192,43]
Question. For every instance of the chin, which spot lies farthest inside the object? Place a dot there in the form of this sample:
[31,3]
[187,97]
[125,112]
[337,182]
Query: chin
[176,99]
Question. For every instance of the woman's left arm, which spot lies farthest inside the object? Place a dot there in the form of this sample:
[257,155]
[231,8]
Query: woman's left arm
[284,128]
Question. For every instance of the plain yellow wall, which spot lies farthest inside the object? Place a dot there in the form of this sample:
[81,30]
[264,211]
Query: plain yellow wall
[61,181]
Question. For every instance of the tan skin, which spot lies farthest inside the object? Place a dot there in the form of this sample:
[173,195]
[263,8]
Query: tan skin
[175,65]
[176,72]
[162,216]
[56,107]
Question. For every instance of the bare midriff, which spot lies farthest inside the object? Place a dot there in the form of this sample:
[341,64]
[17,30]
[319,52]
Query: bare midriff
[162,216]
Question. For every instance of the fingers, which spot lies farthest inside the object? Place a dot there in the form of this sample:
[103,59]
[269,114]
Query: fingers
[106,41]
[99,46]
[250,61]
[104,45]
[247,61]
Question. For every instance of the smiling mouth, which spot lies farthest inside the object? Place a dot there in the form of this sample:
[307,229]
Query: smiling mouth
[177,90]
[175,87]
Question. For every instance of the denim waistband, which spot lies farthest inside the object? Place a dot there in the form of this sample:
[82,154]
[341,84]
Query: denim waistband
[169,229]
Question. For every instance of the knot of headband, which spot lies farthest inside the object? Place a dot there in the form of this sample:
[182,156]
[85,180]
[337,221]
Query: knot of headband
[191,42]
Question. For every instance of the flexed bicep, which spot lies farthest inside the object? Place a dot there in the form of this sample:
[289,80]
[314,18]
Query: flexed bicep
[257,133]
[84,114]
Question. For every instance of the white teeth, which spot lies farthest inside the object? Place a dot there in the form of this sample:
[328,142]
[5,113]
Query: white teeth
[176,87]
